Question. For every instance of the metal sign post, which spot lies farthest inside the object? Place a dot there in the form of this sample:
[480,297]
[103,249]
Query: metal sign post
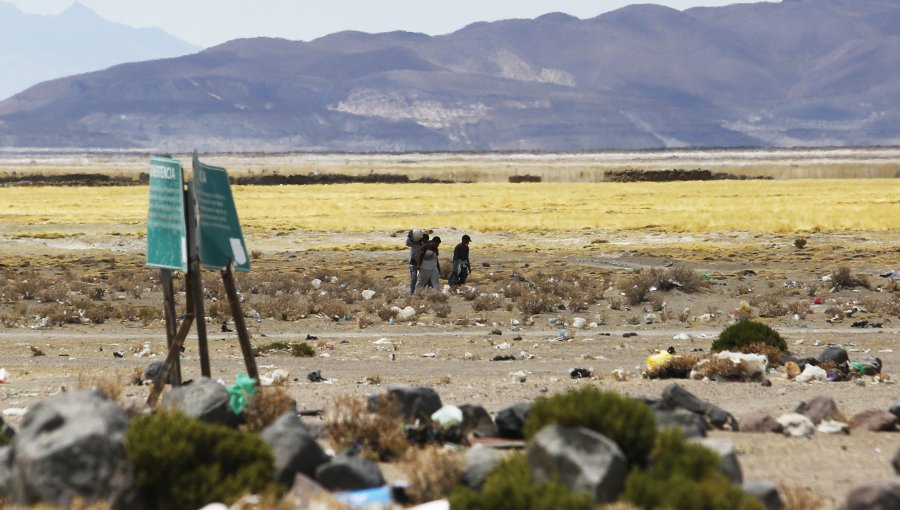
[187,230]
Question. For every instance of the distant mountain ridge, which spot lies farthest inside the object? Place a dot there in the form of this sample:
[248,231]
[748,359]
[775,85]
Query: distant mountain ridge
[34,48]
[796,73]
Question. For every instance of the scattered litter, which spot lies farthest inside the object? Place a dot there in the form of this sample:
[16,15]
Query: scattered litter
[655,361]
[243,390]
[812,373]
[504,345]
[447,416]
[311,337]
[429,355]
[275,377]
[36,351]
[580,373]
[379,497]
[519,376]
[682,337]
[496,332]
[118,354]
[316,283]
[629,334]
[4,376]
[579,323]
[620,375]
[368,294]
[315,376]
[406,314]
[503,357]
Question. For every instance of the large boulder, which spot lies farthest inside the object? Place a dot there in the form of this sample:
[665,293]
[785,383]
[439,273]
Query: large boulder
[411,402]
[675,396]
[729,465]
[875,495]
[347,472]
[203,399]
[477,421]
[511,421]
[581,458]
[766,492]
[690,424]
[479,462]
[70,446]
[296,451]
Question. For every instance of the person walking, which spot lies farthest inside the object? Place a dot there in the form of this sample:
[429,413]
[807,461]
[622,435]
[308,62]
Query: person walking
[414,239]
[462,268]
[429,265]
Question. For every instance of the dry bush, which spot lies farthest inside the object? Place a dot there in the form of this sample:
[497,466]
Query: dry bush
[686,279]
[684,315]
[657,302]
[534,302]
[743,289]
[773,354]
[442,310]
[432,473]
[798,498]
[842,278]
[834,311]
[678,367]
[435,296]
[266,406]
[285,307]
[800,308]
[112,387]
[386,311]
[514,290]
[771,304]
[379,434]
[487,302]
[332,307]
[721,369]
[743,312]
[470,293]
[615,303]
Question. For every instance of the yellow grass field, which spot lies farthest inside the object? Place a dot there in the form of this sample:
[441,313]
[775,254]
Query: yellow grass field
[784,206]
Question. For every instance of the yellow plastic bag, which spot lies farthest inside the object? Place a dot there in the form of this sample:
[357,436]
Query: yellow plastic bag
[658,360]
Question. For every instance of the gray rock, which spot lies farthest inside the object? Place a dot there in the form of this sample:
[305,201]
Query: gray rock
[758,421]
[675,396]
[477,421]
[306,493]
[691,424]
[511,421]
[584,460]
[767,492]
[874,420]
[296,451]
[876,495]
[729,466]
[480,461]
[349,473]
[203,399]
[412,402]
[896,462]
[71,445]
[820,408]
[870,365]
[6,430]
[895,409]
[151,373]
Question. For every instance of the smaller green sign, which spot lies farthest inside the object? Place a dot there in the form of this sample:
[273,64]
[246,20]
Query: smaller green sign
[220,236]
[166,231]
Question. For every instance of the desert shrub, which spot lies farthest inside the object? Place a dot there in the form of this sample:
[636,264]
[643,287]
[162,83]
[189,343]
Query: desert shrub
[800,243]
[721,370]
[510,487]
[800,307]
[332,307]
[379,434]
[514,290]
[743,312]
[799,498]
[685,476]
[685,278]
[435,296]
[266,406]
[487,302]
[432,473]
[678,367]
[744,333]
[386,312]
[441,309]
[183,463]
[627,422]
[534,302]
[302,350]
[773,354]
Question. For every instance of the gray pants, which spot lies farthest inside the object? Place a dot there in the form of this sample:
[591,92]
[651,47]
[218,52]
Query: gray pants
[428,278]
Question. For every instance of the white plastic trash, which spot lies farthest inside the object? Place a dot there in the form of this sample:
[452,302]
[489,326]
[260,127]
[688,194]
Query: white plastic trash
[368,294]
[812,373]
[406,314]
[447,416]
[4,376]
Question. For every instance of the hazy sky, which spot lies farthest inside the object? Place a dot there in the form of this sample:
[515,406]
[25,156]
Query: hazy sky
[210,22]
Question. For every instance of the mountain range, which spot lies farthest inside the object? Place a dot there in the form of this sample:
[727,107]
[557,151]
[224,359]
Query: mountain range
[35,48]
[795,73]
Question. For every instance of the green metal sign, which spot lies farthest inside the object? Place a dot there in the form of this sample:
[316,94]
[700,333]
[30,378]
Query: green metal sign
[166,232]
[220,236]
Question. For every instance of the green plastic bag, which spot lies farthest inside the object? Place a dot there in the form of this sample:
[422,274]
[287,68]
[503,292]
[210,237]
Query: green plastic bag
[243,390]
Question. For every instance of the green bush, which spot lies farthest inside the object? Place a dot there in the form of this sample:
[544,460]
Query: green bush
[744,333]
[183,463]
[685,476]
[627,422]
[510,487]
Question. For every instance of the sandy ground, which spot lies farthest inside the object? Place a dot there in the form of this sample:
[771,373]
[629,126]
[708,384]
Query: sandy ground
[453,355]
